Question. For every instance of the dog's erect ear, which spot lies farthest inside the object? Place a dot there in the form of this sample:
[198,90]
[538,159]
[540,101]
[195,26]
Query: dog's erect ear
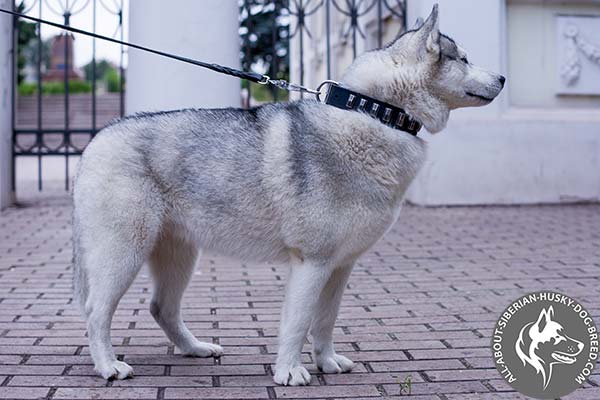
[428,34]
[544,318]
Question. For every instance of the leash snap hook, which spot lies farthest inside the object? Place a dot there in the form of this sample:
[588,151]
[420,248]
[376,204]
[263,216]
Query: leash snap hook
[325,82]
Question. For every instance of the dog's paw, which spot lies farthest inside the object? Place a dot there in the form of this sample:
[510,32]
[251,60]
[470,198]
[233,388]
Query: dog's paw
[291,375]
[335,364]
[202,349]
[114,370]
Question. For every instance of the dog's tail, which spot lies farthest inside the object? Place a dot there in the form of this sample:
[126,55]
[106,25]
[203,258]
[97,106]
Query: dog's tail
[80,284]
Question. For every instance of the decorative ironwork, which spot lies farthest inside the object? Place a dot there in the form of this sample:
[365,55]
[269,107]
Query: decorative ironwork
[301,12]
[355,9]
[37,139]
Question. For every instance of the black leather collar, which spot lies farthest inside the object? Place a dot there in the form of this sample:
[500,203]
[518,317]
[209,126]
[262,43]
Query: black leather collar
[387,114]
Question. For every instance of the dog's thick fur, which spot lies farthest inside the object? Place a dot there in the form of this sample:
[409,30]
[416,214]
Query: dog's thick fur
[301,183]
[543,343]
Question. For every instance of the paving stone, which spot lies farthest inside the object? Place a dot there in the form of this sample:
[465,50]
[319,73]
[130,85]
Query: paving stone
[422,303]
[216,393]
[56,381]
[14,393]
[306,392]
[86,393]
[52,370]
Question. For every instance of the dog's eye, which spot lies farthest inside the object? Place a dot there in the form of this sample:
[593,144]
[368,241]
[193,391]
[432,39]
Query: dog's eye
[464,59]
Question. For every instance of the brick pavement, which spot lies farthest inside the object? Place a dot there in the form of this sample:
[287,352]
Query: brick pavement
[422,303]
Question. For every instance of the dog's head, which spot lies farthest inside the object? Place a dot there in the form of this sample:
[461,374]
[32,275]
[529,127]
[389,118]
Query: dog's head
[544,343]
[426,73]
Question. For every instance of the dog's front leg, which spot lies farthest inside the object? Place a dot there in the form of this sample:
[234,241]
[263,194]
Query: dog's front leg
[326,358]
[305,283]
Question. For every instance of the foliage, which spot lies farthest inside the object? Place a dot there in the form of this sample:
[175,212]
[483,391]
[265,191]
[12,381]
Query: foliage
[30,52]
[27,89]
[264,30]
[102,67]
[106,72]
[27,32]
[75,86]
[112,81]
[264,93]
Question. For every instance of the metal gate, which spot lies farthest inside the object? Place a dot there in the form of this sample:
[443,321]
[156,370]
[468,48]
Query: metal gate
[58,113]
[63,123]
[311,21]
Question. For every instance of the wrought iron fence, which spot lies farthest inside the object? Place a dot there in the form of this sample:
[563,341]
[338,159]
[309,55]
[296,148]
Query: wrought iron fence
[44,135]
[287,21]
[297,15]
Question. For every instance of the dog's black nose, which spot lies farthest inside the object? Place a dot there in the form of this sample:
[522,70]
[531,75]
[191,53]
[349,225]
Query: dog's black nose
[502,80]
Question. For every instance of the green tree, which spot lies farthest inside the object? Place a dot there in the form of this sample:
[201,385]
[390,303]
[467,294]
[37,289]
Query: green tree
[27,32]
[264,31]
[30,52]
[102,67]
[106,72]
[112,80]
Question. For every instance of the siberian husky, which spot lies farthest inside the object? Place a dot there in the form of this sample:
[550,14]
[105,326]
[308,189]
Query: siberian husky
[301,183]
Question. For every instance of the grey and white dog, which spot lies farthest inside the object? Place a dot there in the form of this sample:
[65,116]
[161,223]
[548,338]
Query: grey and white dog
[301,183]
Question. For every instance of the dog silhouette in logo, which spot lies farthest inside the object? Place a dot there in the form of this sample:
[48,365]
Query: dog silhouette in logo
[544,343]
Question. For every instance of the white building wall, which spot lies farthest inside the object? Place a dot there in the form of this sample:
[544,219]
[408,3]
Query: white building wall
[532,144]
[505,153]
[6,68]
[206,30]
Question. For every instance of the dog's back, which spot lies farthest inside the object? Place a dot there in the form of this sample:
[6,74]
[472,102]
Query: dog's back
[249,183]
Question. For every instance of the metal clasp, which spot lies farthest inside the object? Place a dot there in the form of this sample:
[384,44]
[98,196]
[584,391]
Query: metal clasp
[325,82]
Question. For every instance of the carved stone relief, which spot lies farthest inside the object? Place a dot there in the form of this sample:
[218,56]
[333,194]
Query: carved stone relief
[578,51]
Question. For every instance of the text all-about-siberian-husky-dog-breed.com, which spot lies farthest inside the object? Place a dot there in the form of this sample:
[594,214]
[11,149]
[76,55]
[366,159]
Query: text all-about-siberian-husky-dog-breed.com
[302,183]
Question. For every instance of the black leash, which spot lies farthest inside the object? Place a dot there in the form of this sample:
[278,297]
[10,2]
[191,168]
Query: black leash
[251,76]
[337,96]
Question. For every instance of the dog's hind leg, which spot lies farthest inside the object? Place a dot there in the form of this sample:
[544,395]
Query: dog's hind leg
[107,284]
[172,265]
[326,358]
[111,264]
[114,230]
[305,282]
